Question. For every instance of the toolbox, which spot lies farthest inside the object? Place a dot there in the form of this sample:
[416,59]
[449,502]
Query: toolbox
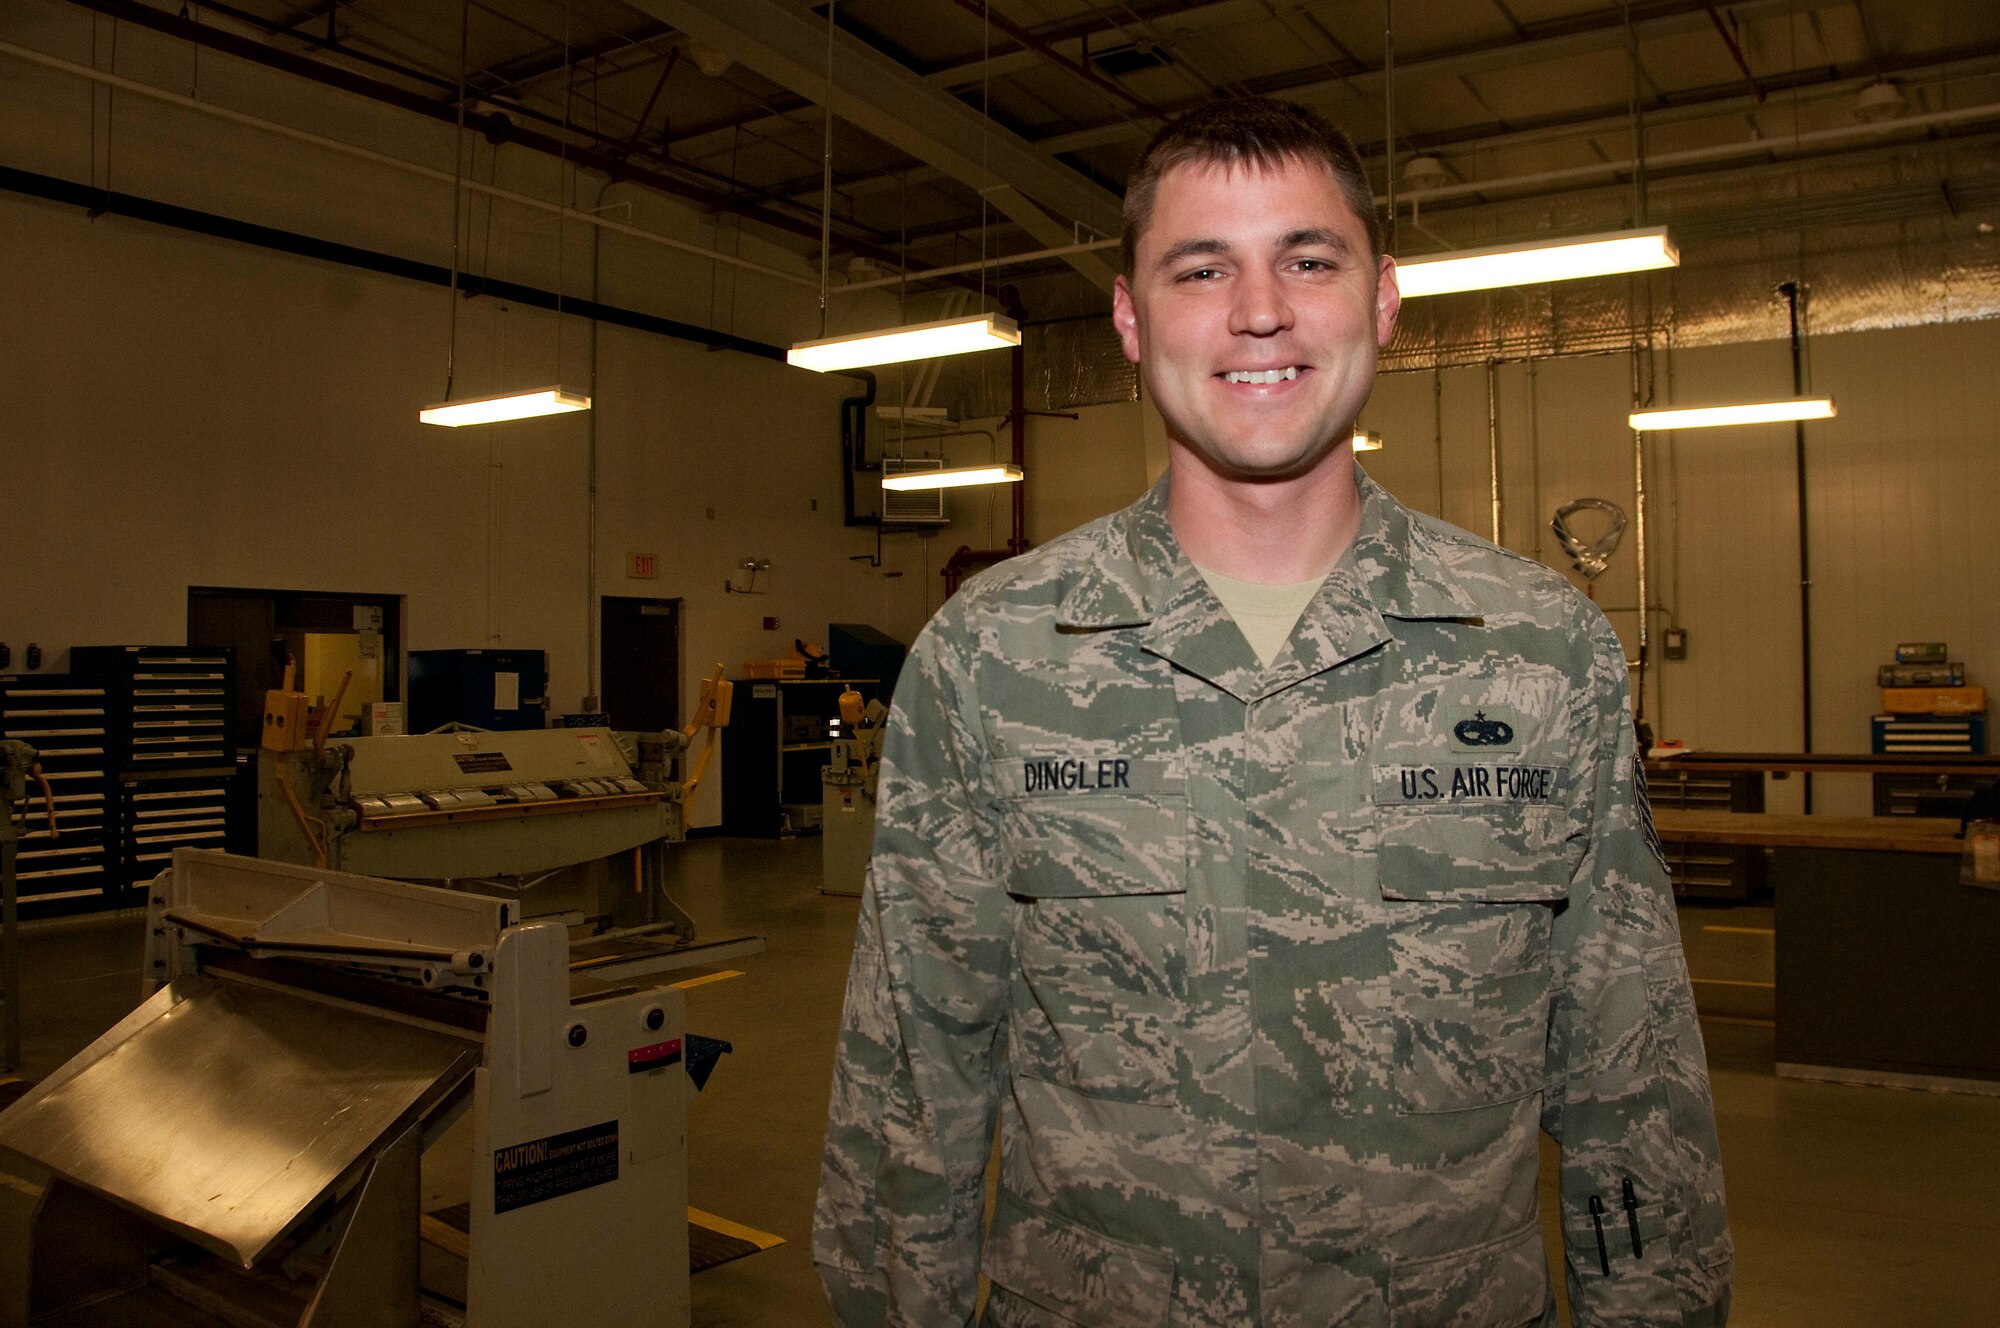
[1940,701]
[1921,675]
[1964,736]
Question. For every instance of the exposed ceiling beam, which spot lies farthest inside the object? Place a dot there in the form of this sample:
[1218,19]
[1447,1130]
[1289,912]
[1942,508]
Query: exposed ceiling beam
[894,104]
[496,127]
[1605,36]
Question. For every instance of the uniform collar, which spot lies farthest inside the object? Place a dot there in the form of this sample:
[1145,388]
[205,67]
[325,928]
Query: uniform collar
[1138,575]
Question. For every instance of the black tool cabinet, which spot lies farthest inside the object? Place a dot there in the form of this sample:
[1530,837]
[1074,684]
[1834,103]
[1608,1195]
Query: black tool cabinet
[134,742]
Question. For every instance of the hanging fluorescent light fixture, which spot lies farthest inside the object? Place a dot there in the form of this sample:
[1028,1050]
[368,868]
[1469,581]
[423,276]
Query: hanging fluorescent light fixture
[914,341]
[1365,441]
[506,406]
[1752,412]
[1599,255]
[953,478]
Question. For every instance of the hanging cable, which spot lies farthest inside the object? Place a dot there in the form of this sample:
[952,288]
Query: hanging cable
[985,119]
[1389,112]
[563,185]
[457,193]
[826,180]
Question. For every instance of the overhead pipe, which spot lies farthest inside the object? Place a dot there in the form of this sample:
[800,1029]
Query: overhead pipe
[1639,552]
[1794,295]
[1017,415]
[223,113]
[1493,440]
[95,200]
[854,445]
[496,127]
[1701,156]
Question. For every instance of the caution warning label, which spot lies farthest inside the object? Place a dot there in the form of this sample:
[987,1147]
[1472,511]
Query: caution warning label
[540,1169]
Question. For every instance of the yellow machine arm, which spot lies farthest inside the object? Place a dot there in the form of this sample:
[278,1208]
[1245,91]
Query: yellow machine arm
[711,712]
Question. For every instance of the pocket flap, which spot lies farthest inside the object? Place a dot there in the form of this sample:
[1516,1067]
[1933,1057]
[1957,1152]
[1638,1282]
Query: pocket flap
[1080,1274]
[1503,1283]
[1080,846]
[1495,853]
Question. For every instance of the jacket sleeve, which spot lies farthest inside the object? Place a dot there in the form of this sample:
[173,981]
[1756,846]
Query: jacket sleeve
[917,1073]
[1645,1233]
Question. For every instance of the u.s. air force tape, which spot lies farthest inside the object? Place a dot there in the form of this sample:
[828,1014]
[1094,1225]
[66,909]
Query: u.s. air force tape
[1469,782]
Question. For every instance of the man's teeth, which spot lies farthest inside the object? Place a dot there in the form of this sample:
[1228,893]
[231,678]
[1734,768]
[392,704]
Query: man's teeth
[1283,375]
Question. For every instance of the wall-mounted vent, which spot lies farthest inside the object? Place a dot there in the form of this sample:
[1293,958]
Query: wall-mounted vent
[912,507]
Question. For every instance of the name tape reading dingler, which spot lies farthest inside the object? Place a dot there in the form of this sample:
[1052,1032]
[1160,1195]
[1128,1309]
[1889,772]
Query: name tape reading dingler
[1483,782]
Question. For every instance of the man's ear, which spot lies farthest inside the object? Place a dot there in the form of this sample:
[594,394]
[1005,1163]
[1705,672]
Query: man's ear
[1388,301]
[1125,317]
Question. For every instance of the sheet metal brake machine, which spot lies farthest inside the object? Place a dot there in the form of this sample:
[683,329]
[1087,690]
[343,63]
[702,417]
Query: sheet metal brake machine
[568,824]
[250,1140]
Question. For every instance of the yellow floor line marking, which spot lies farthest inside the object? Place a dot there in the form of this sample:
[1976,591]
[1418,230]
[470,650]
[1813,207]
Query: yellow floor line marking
[1737,1019]
[444,1236]
[706,978]
[763,1240]
[1744,931]
[1735,982]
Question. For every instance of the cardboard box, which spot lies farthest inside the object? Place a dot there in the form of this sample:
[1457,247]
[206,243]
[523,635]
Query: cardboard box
[1934,700]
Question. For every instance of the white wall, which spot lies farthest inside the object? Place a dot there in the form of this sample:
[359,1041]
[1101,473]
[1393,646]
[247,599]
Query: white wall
[186,411]
[181,410]
[1902,488]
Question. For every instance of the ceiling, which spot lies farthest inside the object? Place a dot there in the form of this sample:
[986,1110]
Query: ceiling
[977,129]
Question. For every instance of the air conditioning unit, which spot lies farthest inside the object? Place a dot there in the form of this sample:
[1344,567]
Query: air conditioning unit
[912,507]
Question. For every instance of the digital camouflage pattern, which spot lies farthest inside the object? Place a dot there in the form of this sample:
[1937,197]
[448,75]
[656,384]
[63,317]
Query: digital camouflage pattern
[1267,975]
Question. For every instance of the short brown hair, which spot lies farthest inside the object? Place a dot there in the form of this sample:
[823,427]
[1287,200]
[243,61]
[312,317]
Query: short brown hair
[1253,131]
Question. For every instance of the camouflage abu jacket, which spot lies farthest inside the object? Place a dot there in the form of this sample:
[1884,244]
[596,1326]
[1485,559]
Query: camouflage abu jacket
[1268,975]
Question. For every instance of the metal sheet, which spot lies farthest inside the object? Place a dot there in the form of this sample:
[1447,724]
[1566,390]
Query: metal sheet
[234,1111]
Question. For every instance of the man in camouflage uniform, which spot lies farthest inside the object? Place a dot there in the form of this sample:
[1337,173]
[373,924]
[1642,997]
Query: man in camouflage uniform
[1267,959]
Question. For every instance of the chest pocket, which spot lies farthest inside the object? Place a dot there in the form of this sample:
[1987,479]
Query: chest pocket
[1471,893]
[1100,940]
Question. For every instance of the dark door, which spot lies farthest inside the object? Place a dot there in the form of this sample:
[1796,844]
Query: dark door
[640,641]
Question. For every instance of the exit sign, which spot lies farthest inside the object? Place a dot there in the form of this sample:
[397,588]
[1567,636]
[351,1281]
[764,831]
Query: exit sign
[642,566]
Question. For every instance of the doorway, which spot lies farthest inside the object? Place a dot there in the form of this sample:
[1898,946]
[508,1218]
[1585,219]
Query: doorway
[328,635]
[640,648]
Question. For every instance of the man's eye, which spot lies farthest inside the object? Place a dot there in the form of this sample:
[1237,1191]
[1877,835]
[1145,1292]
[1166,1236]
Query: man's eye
[1202,274]
[1313,265]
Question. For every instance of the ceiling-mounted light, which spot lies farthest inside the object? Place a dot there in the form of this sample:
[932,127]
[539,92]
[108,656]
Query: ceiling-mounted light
[1751,412]
[1545,260]
[1425,172]
[953,478]
[1365,441]
[1880,101]
[711,62]
[506,406]
[914,341]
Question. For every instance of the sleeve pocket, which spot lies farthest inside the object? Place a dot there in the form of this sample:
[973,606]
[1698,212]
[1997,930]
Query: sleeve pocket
[1070,1274]
[1501,1284]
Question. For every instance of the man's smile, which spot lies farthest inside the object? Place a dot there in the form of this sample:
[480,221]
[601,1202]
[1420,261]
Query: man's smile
[1265,377]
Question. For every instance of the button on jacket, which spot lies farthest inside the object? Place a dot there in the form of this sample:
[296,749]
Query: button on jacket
[1268,975]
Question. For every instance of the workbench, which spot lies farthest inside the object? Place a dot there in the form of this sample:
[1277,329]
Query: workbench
[1886,969]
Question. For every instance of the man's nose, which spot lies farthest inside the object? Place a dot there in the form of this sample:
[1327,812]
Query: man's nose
[1260,307]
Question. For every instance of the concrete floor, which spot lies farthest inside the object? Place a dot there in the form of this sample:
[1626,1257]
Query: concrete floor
[1850,1205]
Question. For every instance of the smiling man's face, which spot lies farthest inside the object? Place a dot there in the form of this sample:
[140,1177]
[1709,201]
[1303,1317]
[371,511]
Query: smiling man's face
[1255,312]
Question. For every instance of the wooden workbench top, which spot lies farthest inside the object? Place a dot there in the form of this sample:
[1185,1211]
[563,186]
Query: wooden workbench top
[1880,834]
[1822,763]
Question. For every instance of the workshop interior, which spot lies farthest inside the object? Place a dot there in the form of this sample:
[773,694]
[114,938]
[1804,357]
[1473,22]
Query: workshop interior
[475,470]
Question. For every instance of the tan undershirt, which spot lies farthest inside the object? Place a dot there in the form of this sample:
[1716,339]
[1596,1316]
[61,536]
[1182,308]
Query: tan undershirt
[1264,614]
